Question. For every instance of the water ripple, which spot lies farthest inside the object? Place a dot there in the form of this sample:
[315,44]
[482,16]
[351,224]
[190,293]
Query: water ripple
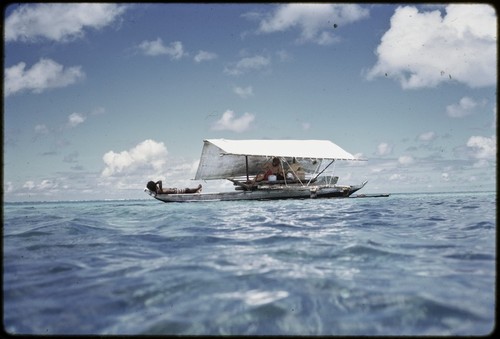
[406,265]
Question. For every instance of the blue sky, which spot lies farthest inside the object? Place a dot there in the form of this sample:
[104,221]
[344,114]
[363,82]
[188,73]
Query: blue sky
[101,98]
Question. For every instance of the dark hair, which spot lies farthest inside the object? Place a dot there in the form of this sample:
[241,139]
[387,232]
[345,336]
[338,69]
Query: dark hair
[151,186]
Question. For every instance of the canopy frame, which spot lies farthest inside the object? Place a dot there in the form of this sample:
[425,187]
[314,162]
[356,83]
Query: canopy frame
[220,157]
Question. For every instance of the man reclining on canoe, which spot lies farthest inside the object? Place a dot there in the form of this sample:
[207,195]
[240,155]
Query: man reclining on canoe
[156,187]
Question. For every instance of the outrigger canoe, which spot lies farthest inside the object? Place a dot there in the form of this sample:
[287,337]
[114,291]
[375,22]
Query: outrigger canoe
[304,161]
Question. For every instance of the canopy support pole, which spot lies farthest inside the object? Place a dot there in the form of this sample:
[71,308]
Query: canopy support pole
[324,169]
[246,166]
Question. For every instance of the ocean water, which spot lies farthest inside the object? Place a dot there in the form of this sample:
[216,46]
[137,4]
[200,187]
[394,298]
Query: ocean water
[409,264]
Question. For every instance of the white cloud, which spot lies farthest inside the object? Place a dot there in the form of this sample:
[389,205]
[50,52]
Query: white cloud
[384,149]
[243,92]
[427,136]
[44,185]
[229,122]
[8,187]
[465,107]
[248,64]
[29,184]
[406,160]
[204,56]
[58,22]
[315,21]
[156,47]
[424,49]
[43,75]
[75,119]
[147,155]
[396,177]
[483,147]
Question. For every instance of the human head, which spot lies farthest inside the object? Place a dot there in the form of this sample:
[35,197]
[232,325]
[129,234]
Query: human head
[276,161]
[151,186]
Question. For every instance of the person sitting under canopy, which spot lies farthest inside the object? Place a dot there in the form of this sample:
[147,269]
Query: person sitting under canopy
[270,168]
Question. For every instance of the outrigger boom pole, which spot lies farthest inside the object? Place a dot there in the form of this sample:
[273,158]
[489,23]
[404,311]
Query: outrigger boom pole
[324,169]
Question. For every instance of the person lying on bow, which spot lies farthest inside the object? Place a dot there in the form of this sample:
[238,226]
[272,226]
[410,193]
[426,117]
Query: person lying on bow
[157,187]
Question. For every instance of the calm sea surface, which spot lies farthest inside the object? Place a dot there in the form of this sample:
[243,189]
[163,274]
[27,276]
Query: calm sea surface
[410,264]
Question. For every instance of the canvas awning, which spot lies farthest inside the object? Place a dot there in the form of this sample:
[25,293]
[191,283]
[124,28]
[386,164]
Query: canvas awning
[222,158]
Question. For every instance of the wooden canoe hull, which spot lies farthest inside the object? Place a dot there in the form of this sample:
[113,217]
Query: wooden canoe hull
[304,192]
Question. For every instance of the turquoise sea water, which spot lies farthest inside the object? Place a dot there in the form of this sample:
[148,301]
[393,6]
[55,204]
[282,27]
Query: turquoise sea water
[410,264]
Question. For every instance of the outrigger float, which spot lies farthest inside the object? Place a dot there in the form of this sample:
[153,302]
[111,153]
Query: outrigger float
[304,162]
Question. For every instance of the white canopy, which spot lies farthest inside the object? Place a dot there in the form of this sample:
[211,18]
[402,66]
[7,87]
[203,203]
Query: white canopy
[318,149]
[223,158]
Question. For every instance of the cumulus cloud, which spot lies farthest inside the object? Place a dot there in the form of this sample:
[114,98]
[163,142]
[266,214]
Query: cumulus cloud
[46,184]
[8,187]
[427,136]
[75,119]
[30,184]
[204,56]
[396,177]
[406,160]
[147,155]
[483,147]
[384,149]
[424,49]
[247,64]
[229,122]
[315,21]
[243,92]
[156,47]
[43,185]
[43,75]
[58,22]
[466,106]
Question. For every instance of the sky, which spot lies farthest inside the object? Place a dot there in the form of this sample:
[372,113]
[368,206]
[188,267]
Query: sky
[101,98]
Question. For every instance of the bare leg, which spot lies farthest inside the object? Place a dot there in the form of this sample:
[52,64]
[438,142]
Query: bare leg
[258,177]
[180,191]
[193,190]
